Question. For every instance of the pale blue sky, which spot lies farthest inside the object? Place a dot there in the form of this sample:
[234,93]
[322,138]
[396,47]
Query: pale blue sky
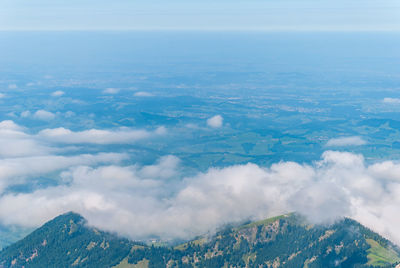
[275,15]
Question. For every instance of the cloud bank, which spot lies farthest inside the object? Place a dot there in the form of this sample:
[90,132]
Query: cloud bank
[159,201]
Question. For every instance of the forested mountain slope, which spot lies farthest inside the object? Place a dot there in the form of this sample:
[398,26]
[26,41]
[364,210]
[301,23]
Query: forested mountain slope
[284,241]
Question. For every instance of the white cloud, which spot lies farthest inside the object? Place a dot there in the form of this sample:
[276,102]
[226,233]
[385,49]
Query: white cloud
[16,170]
[57,93]
[166,167]
[44,115]
[10,125]
[12,86]
[16,147]
[2,95]
[97,136]
[215,121]
[110,91]
[391,100]
[346,141]
[148,201]
[14,142]
[158,200]
[143,94]
[24,156]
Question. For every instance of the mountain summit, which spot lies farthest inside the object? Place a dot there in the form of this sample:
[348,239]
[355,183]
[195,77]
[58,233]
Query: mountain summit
[284,241]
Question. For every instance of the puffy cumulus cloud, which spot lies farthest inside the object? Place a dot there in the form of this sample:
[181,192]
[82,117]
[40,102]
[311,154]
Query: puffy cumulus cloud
[122,135]
[215,121]
[143,94]
[391,100]
[43,115]
[111,91]
[146,201]
[57,93]
[346,141]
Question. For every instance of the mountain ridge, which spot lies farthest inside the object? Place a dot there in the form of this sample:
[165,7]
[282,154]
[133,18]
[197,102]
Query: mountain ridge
[282,241]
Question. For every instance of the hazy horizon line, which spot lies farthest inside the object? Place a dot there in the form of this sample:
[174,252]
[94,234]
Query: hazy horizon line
[211,30]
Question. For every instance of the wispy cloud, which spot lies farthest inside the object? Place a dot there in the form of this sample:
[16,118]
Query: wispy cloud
[111,90]
[57,93]
[391,100]
[97,136]
[346,141]
[142,94]
[18,142]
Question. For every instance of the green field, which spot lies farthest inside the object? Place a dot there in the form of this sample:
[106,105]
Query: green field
[380,256]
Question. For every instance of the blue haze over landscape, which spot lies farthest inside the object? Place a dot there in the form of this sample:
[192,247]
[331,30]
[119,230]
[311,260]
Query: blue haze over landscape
[171,134]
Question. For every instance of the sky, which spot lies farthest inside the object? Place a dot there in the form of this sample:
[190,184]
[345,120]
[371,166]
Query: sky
[268,15]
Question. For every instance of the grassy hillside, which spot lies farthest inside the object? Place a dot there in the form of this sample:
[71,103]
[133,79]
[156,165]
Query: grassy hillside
[284,241]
